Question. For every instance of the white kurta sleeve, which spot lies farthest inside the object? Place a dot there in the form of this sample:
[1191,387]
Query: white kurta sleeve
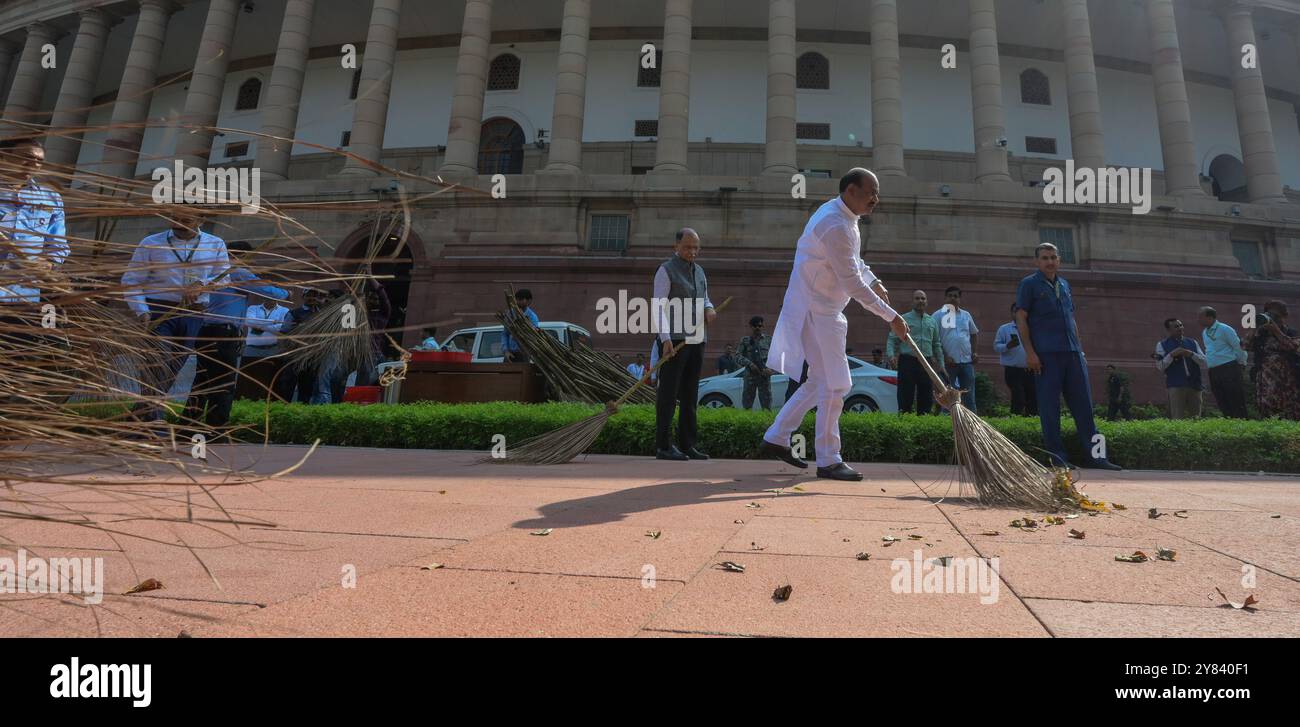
[845,263]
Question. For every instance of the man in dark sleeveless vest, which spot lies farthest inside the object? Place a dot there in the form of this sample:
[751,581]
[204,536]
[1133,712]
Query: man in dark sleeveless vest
[1181,359]
[681,308]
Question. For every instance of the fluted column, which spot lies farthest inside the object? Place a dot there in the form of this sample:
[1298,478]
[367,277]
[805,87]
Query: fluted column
[1172,110]
[471,82]
[781,101]
[29,81]
[283,96]
[134,93]
[674,88]
[78,89]
[370,114]
[886,90]
[570,89]
[986,94]
[208,82]
[7,51]
[1086,142]
[1258,151]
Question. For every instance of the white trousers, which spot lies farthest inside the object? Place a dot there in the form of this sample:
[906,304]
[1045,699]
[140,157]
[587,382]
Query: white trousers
[823,338]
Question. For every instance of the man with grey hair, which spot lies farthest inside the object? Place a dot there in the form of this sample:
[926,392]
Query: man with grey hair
[828,273]
[681,309]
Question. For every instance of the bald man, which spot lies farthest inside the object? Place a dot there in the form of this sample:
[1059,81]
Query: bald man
[681,308]
[828,273]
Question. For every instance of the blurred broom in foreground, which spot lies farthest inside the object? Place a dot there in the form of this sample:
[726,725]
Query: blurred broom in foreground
[1000,472]
[571,440]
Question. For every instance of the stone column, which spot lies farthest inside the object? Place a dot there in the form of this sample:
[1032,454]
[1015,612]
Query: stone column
[674,88]
[1172,111]
[1258,151]
[781,101]
[1086,143]
[131,109]
[886,90]
[370,114]
[7,50]
[471,82]
[283,96]
[570,89]
[986,94]
[29,81]
[203,101]
[78,90]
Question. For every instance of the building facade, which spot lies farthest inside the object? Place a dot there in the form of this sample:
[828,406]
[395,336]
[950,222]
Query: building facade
[615,122]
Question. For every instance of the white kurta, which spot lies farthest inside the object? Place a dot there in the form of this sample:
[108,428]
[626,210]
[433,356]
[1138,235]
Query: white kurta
[828,273]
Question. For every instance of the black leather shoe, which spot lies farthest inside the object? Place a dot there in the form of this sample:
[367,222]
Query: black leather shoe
[784,454]
[839,471]
[694,453]
[1102,464]
[673,453]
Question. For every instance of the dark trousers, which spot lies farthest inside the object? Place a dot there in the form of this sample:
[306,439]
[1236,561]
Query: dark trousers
[1229,391]
[792,386]
[679,384]
[914,386]
[1024,397]
[176,332]
[762,385]
[1065,372]
[1123,408]
[218,347]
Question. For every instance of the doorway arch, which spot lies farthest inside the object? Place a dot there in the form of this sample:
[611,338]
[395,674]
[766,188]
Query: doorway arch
[501,147]
[1228,177]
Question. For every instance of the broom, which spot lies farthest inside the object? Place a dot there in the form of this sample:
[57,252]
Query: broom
[571,440]
[999,472]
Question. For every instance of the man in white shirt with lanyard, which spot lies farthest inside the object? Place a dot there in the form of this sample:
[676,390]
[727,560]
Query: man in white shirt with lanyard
[165,285]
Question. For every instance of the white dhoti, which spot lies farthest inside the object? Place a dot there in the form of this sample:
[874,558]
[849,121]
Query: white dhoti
[821,342]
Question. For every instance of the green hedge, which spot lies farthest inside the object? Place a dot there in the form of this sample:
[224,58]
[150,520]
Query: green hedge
[1207,444]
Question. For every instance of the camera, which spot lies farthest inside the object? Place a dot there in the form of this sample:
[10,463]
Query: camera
[1262,319]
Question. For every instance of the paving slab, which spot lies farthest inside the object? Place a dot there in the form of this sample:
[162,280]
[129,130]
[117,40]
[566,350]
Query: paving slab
[1126,620]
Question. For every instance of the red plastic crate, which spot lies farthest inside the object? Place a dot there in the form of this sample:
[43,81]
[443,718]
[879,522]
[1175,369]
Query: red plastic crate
[363,394]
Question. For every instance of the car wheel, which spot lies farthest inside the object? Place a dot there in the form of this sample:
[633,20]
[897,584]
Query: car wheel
[860,404]
[715,401]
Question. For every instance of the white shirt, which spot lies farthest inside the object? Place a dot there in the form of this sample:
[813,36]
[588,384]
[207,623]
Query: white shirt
[271,322]
[954,333]
[828,273]
[164,265]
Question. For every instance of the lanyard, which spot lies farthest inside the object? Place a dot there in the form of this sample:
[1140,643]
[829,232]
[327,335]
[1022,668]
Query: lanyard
[184,260]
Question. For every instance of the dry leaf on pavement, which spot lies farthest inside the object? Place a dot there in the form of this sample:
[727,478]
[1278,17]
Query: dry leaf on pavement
[731,566]
[1248,605]
[149,584]
[1137,557]
[782,593]
[1165,553]
[653,534]
[1076,534]
[542,532]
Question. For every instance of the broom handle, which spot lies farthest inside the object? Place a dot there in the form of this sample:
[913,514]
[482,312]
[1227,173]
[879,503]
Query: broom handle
[662,359]
[934,378]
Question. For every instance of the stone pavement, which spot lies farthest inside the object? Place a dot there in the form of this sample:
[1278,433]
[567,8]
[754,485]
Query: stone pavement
[376,520]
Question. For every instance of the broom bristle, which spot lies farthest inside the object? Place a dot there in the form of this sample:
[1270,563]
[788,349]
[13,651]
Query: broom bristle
[999,471]
[556,447]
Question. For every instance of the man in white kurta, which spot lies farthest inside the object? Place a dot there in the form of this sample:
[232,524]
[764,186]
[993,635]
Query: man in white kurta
[828,273]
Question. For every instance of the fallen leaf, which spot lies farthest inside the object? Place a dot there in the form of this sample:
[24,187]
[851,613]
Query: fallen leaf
[782,593]
[442,492]
[1076,534]
[889,539]
[1054,520]
[184,635]
[944,561]
[753,506]
[863,556]
[882,489]
[1275,516]
[431,566]
[1137,557]
[1154,513]
[738,522]
[911,528]
[542,532]
[798,488]
[149,584]
[1118,506]
[756,546]
[1180,513]
[844,540]
[990,532]
[1250,601]
[1071,517]
[1027,523]
[733,567]
[916,537]
[653,534]
[1092,505]
[1165,553]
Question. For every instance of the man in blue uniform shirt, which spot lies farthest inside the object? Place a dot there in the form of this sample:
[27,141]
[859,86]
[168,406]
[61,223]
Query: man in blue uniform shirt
[1045,319]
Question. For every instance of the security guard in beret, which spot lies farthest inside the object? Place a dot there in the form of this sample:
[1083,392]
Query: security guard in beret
[752,357]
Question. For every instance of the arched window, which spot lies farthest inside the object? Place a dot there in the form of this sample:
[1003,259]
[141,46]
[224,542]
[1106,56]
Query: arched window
[501,147]
[503,75]
[649,77]
[1035,88]
[812,70]
[250,92]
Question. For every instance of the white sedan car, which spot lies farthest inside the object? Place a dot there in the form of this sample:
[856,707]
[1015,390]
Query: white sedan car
[874,389]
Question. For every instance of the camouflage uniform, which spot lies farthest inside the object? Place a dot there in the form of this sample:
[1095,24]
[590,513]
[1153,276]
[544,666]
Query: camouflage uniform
[754,351]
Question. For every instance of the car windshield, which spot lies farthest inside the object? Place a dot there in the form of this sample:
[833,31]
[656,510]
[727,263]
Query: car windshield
[463,342]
